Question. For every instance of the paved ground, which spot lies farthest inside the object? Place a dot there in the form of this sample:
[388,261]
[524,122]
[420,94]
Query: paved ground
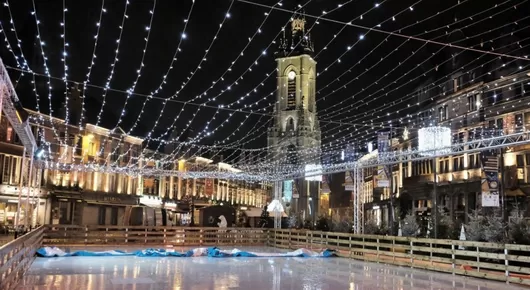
[236,273]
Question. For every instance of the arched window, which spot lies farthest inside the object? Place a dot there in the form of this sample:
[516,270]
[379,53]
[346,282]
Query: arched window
[289,125]
[291,90]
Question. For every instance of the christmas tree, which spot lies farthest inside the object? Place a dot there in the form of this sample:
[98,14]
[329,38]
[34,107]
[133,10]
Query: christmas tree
[264,219]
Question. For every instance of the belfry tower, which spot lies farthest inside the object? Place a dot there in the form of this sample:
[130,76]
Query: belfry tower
[294,137]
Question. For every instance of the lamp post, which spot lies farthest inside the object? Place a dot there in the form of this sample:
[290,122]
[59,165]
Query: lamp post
[434,141]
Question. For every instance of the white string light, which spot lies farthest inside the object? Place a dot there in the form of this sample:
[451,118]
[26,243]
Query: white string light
[323,116]
[65,77]
[219,108]
[46,72]
[113,65]
[206,133]
[92,63]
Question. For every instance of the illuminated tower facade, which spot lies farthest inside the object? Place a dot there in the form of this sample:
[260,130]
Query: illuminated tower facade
[294,137]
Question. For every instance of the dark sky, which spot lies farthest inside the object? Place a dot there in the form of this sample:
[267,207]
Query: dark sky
[364,81]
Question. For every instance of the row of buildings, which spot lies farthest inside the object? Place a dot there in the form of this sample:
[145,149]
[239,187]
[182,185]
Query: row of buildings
[97,198]
[492,100]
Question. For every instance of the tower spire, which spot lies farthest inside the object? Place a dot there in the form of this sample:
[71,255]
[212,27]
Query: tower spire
[298,41]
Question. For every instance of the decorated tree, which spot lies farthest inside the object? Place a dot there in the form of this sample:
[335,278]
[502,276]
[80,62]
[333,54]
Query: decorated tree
[322,224]
[518,228]
[487,228]
[410,226]
[293,221]
[264,218]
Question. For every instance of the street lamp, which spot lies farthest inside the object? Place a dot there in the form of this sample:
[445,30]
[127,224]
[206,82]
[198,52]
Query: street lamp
[433,141]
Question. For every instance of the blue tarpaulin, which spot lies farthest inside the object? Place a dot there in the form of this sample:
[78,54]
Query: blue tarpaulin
[214,252]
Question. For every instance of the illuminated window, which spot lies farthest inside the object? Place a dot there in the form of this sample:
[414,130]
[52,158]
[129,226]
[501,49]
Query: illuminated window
[291,90]
[9,134]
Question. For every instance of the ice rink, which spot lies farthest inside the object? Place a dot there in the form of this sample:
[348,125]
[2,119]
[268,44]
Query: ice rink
[142,273]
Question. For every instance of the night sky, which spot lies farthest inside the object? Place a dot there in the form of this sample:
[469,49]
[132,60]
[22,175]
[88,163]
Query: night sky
[371,74]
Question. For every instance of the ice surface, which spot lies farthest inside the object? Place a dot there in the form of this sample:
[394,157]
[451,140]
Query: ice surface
[142,273]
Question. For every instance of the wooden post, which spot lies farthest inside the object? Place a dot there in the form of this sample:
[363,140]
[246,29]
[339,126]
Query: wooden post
[349,244]
[506,264]
[393,250]
[430,255]
[453,257]
[377,250]
[411,253]
[478,259]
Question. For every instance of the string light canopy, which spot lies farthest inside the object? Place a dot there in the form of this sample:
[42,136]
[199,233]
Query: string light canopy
[350,120]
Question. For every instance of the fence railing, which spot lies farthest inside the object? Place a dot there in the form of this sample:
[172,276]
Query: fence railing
[16,257]
[141,235]
[501,262]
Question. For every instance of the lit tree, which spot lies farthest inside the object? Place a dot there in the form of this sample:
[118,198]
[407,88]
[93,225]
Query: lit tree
[264,219]
[410,226]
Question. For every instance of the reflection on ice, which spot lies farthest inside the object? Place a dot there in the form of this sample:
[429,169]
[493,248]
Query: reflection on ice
[235,273]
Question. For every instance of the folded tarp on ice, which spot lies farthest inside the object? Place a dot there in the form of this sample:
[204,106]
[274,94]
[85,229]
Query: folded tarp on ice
[197,252]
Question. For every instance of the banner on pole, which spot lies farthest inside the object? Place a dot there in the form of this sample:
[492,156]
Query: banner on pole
[348,181]
[490,179]
[383,147]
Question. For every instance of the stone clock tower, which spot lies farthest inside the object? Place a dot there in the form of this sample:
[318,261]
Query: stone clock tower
[294,137]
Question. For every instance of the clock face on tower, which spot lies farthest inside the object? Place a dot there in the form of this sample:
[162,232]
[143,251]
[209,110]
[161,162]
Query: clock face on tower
[291,75]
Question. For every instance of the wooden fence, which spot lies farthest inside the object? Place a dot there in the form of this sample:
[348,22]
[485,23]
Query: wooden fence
[140,235]
[16,257]
[501,262]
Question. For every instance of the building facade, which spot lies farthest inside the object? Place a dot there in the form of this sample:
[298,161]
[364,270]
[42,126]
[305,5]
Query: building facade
[490,100]
[96,198]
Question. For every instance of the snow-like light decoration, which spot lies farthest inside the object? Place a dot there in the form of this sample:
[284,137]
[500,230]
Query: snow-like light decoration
[313,172]
[323,71]
[205,132]
[92,63]
[345,109]
[434,140]
[275,206]
[46,71]
[369,114]
[113,65]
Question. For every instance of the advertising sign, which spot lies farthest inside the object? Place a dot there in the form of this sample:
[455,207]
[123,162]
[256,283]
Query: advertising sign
[490,179]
